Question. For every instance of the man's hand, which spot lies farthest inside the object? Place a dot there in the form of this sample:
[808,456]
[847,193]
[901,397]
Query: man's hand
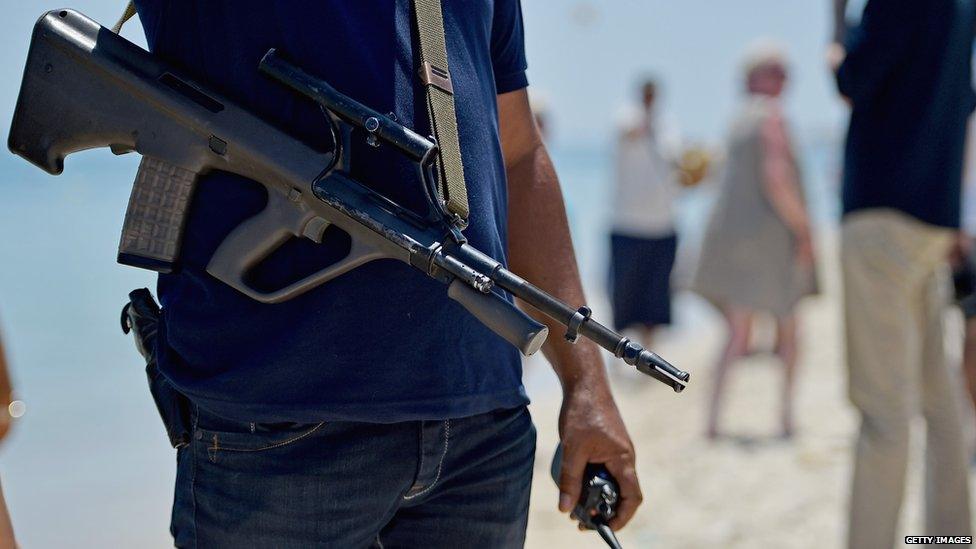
[592,431]
[540,247]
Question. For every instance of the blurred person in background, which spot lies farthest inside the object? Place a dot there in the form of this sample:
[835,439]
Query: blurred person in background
[7,540]
[6,396]
[643,241]
[7,412]
[964,285]
[963,263]
[757,254]
[908,77]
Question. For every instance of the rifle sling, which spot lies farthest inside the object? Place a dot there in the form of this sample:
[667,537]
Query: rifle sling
[130,11]
[435,75]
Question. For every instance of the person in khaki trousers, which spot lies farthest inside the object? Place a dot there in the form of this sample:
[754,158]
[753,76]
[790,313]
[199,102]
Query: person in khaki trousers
[896,293]
[906,72]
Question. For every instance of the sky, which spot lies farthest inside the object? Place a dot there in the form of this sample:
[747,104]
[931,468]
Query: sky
[585,56]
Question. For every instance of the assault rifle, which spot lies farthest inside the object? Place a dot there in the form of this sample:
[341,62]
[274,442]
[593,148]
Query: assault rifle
[86,87]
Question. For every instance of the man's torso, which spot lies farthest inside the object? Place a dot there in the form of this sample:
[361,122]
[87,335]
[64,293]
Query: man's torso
[382,343]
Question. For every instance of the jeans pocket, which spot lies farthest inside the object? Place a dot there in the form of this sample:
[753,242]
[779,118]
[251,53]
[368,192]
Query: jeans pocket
[223,435]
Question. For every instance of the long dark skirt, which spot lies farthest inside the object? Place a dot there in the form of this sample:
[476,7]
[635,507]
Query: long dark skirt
[640,280]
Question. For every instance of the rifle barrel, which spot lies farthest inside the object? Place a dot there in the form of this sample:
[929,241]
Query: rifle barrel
[621,347]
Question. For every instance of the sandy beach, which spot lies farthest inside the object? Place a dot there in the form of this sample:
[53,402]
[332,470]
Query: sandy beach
[89,466]
[750,489]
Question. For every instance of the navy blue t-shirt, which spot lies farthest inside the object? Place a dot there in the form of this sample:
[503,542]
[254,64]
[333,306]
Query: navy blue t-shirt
[908,74]
[382,343]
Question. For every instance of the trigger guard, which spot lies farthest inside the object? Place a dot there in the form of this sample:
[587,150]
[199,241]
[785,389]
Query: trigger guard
[358,255]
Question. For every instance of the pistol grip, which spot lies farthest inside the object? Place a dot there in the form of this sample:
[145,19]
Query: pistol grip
[152,232]
[257,238]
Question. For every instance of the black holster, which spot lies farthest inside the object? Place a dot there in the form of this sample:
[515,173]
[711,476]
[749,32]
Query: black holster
[141,316]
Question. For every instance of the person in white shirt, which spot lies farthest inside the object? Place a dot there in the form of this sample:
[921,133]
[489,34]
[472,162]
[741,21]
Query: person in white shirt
[643,240]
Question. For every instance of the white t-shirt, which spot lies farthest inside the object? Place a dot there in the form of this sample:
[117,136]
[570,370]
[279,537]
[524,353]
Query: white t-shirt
[646,182]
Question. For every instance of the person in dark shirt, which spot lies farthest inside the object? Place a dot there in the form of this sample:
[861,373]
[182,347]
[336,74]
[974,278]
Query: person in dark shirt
[907,76]
[373,409]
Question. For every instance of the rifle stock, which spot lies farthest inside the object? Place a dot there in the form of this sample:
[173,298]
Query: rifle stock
[85,87]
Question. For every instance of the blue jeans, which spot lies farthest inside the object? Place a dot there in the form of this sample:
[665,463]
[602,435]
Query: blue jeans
[455,483]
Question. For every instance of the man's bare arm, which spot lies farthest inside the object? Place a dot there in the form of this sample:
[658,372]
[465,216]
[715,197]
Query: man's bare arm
[541,249]
[539,244]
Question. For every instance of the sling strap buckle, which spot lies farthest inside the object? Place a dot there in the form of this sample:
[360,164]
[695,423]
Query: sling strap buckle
[432,75]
